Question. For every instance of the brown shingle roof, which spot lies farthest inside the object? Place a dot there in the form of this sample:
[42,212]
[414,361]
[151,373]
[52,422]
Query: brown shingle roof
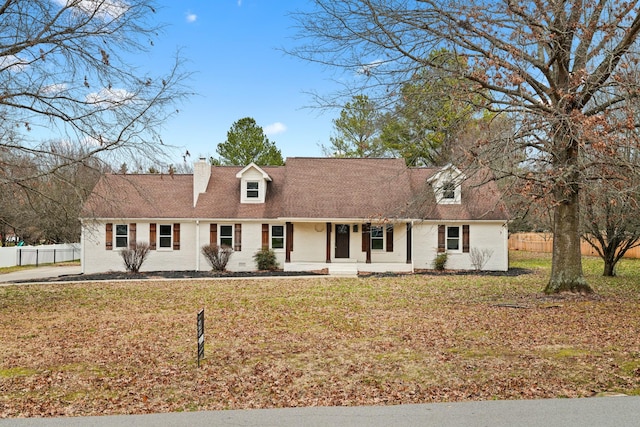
[322,188]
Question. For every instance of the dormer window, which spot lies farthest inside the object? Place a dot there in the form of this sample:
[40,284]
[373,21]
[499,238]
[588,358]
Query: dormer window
[449,190]
[252,189]
[253,184]
[447,185]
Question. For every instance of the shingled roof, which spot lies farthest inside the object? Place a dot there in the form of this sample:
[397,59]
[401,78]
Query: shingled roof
[306,188]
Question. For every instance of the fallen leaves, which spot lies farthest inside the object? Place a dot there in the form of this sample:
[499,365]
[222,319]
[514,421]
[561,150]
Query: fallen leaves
[119,348]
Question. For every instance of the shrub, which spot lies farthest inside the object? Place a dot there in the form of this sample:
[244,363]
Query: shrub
[217,256]
[480,257]
[266,259]
[134,256]
[440,261]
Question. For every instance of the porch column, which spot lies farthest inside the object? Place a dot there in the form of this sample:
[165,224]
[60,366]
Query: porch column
[409,241]
[366,240]
[289,242]
[328,243]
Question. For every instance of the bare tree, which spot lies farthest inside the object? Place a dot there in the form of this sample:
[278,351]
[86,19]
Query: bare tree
[565,69]
[611,208]
[66,72]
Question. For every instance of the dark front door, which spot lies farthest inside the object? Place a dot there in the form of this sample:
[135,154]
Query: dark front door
[342,240]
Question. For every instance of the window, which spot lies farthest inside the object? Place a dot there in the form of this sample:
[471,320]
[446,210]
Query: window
[165,236]
[122,235]
[277,237]
[377,237]
[252,189]
[453,238]
[449,190]
[226,235]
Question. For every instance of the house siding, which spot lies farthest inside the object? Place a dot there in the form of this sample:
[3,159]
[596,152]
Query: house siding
[309,244]
[482,235]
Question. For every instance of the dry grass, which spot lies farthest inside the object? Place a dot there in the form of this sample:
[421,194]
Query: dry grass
[107,348]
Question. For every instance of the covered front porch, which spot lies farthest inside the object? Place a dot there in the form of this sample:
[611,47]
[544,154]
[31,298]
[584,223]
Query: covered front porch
[348,247]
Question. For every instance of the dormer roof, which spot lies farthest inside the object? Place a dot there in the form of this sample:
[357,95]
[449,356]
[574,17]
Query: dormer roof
[447,173]
[252,165]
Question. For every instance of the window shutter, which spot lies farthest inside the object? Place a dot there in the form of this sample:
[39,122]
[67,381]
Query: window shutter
[213,234]
[176,237]
[132,235]
[366,236]
[465,238]
[237,241]
[109,236]
[389,237]
[265,236]
[441,238]
[152,236]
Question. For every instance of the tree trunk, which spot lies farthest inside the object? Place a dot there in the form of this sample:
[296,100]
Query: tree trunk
[566,264]
[609,268]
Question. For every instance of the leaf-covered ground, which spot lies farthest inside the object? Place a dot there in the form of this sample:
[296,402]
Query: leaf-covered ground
[130,347]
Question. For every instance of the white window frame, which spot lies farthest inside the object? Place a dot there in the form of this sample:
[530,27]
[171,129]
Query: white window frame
[225,236]
[380,238]
[125,236]
[457,239]
[252,193]
[446,189]
[161,236]
[273,236]
[449,190]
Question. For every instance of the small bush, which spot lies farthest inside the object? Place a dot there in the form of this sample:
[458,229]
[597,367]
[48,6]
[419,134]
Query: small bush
[479,258]
[266,259]
[217,256]
[440,261]
[134,256]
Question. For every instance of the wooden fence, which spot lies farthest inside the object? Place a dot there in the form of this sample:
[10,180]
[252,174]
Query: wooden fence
[543,242]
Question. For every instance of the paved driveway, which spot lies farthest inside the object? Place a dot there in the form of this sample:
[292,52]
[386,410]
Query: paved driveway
[33,274]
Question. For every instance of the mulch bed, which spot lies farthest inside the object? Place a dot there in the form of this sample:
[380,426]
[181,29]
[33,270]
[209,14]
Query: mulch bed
[190,274]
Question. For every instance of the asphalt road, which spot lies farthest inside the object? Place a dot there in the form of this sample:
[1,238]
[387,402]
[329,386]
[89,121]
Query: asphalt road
[597,411]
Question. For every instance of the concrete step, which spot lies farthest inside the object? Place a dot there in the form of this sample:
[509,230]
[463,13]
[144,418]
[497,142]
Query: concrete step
[343,270]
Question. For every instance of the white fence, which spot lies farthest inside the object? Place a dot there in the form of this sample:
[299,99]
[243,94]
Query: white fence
[35,255]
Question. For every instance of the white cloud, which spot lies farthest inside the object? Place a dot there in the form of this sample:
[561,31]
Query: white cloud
[275,128]
[110,96]
[368,68]
[191,17]
[239,3]
[54,89]
[112,9]
[12,63]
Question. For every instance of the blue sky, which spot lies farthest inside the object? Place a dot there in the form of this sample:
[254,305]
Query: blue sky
[232,47]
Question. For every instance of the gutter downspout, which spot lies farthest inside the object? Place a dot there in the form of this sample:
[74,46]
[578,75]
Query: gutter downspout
[197,245]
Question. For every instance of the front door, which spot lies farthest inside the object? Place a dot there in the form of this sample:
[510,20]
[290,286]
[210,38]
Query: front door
[342,240]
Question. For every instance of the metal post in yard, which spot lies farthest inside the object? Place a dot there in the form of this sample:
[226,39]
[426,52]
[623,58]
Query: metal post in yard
[36,257]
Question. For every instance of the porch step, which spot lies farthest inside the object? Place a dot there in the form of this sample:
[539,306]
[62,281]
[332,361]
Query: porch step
[343,270]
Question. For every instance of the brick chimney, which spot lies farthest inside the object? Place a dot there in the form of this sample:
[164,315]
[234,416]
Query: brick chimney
[201,176]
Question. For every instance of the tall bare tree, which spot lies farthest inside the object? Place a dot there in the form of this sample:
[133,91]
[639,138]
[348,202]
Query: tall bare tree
[68,72]
[44,201]
[565,68]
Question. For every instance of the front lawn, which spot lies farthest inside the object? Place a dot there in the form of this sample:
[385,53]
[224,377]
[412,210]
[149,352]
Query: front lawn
[99,348]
